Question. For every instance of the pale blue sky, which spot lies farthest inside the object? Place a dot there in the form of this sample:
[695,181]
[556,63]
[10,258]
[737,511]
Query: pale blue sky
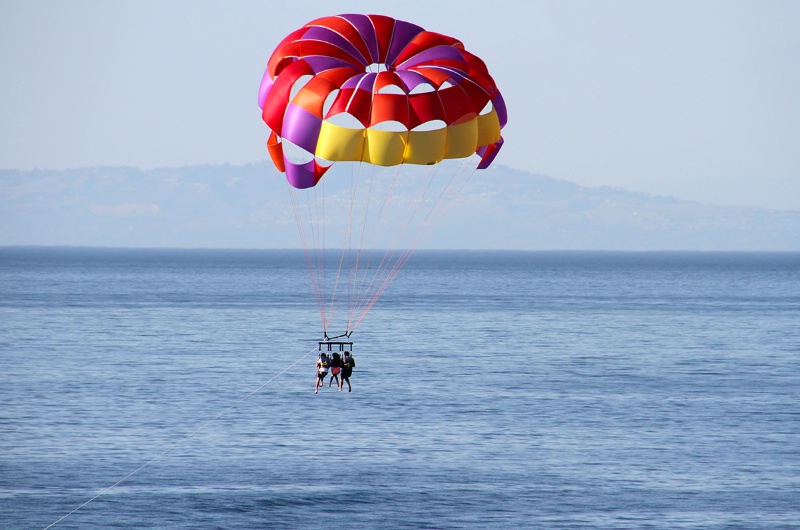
[697,100]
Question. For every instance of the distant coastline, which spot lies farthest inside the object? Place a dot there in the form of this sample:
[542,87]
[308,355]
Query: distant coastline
[247,207]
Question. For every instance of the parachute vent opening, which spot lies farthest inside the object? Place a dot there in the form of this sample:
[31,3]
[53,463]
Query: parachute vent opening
[422,88]
[376,67]
[295,154]
[346,120]
[391,89]
[487,109]
[323,162]
[389,126]
[326,106]
[299,84]
[432,125]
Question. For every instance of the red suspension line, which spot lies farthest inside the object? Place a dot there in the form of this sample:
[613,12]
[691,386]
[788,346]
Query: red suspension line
[422,232]
[388,268]
[376,229]
[304,241]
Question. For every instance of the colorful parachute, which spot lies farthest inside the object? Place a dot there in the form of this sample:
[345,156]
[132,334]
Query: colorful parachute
[377,69]
[382,94]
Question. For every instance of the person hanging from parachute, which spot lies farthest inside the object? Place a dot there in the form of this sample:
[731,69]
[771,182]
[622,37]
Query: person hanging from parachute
[373,92]
[323,364]
[336,369]
[348,363]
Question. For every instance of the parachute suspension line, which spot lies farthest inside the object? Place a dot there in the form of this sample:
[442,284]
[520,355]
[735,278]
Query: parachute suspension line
[335,302]
[383,274]
[374,234]
[304,240]
[315,211]
[415,205]
[428,182]
[377,227]
[447,198]
[316,216]
[181,441]
[368,239]
[320,245]
[347,245]
[397,238]
[355,271]
[352,279]
[389,268]
[434,216]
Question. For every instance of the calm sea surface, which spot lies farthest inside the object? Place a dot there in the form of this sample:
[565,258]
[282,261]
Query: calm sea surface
[498,390]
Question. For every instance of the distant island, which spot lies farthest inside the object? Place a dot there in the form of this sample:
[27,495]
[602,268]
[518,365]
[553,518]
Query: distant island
[225,206]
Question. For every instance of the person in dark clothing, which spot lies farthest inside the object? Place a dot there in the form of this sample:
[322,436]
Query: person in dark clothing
[348,363]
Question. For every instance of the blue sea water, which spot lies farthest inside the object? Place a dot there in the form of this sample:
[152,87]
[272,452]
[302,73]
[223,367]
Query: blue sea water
[497,389]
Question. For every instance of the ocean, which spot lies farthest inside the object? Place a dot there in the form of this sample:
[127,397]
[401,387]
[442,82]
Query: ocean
[175,389]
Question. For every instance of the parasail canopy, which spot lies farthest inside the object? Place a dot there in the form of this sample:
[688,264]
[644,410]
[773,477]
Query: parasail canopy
[373,89]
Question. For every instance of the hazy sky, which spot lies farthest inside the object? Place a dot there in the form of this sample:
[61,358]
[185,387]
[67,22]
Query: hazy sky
[696,99]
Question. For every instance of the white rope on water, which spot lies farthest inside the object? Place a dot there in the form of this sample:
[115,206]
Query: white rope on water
[181,441]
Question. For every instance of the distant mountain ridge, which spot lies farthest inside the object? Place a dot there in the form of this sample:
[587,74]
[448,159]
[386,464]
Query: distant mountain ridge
[247,206]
